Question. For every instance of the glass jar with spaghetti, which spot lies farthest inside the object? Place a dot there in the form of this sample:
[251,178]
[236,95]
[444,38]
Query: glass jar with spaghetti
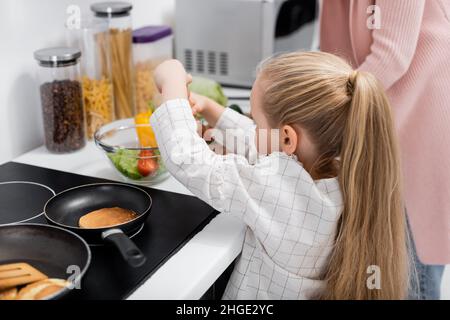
[96,76]
[119,40]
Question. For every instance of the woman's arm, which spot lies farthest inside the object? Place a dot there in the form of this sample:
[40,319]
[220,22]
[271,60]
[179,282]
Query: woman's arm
[394,44]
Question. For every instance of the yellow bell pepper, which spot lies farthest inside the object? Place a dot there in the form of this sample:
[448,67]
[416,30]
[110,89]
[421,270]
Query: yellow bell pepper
[145,134]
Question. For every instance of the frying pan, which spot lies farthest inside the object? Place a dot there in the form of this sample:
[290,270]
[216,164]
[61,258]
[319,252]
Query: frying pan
[66,208]
[51,250]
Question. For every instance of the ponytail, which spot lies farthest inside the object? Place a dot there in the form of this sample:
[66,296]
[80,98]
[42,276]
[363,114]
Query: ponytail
[372,230]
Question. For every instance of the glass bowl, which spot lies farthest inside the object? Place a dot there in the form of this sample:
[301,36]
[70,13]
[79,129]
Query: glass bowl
[135,164]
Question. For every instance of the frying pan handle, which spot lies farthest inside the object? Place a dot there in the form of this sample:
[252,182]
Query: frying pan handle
[130,253]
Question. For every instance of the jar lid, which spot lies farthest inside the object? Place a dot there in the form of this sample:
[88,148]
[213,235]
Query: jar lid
[151,34]
[57,56]
[111,9]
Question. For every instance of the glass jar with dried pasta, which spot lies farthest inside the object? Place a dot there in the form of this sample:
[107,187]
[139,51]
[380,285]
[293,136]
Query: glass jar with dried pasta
[117,16]
[96,76]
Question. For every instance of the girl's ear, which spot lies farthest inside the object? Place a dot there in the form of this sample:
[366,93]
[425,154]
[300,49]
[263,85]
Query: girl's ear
[289,139]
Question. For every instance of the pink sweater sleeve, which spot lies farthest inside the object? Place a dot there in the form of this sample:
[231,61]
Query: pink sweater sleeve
[394,44]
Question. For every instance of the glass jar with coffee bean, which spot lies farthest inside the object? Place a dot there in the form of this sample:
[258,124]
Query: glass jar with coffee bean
[61,99]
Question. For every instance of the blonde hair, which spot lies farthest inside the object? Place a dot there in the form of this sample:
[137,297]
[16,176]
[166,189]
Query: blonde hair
[348,117]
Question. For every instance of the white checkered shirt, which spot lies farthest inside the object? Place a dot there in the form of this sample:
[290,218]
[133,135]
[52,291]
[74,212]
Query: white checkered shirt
[291,218]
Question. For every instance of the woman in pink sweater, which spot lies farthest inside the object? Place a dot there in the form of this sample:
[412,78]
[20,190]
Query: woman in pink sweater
[406,45]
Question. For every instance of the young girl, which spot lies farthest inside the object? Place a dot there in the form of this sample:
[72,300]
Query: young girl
[323,209]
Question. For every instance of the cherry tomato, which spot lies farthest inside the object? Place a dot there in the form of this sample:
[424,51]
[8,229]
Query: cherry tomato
[149,166]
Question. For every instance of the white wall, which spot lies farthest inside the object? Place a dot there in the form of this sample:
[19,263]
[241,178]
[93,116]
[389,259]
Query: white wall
[27,25]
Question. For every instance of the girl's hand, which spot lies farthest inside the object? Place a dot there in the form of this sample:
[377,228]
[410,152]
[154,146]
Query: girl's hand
[171,80]
[199,103]
[208,108]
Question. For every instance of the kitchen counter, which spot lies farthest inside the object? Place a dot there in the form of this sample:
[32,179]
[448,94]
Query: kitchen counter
[190,272]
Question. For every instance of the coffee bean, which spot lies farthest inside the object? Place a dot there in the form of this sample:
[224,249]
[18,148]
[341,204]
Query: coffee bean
[62,107]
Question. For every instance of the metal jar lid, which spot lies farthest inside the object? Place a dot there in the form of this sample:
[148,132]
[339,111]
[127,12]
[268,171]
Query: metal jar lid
[111,9]
[57,56]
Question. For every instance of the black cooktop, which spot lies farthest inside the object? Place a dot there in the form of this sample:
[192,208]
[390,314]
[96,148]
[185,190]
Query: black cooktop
[173,220]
